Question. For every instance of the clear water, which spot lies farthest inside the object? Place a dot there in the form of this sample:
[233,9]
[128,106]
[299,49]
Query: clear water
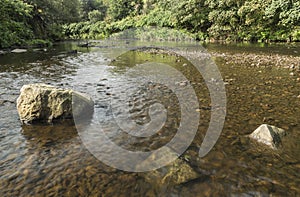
[51,160]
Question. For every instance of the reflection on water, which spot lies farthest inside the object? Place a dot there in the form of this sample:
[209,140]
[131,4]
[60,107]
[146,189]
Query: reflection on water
[51,160]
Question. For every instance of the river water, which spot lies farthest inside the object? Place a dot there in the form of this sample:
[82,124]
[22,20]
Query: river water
[262,86]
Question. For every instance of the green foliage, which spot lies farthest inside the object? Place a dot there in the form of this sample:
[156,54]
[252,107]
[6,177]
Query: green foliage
[89,6]
[158,17]
[120,9]
[14,28]
[57,11]
[234,20]
[38,43]
[24,20]
[190,14]
[95,16]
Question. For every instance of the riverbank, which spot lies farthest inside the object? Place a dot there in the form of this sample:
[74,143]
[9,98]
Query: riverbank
[36,44]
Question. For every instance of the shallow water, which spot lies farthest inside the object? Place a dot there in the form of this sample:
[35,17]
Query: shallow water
[52,159]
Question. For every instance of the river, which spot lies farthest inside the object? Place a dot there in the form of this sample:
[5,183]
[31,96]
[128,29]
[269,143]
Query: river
[262,86]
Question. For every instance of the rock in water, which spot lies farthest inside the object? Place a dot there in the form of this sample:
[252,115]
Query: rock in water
[19,51]
[177,172]
[2,52]
[45,103]
[269,135]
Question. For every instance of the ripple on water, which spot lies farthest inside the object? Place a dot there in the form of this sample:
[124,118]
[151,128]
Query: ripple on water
[51,160]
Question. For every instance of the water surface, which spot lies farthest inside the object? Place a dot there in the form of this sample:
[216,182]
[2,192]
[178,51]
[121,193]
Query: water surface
[52,160]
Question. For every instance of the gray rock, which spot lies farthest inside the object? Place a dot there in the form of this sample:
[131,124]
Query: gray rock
[268,135]
[45,103]
[2,52]
[19,51]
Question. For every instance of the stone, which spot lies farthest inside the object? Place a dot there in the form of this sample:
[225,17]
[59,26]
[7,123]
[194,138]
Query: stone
[182,83]
[2,52]
[19,51]
[176,173]
[268,135]
[45,103]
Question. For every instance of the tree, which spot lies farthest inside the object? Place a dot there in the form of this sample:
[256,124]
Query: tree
[224,18]
[255,25]
[190,14]
[119,9]
[58,11]
[96,15]
[14,29]
[91,5]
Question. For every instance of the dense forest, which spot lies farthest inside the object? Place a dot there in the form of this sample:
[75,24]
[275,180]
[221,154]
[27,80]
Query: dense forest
[39,22]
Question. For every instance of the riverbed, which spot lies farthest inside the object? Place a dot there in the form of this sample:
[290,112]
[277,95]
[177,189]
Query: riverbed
[262,86]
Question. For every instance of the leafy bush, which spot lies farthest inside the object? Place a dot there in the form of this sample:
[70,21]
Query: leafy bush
[253,20]
[14,29]
[95,16]
[38,43]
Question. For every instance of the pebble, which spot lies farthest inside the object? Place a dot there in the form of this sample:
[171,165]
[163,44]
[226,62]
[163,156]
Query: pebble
[182,83]
[292,74]
[26,172]
[292,66]
[298,97]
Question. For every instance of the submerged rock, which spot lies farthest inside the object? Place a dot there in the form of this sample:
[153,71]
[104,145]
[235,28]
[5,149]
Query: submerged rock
[45,103]
[176,173]
[19,51]
[268,135]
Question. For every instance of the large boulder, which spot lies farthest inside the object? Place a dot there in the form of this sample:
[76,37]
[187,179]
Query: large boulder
[268,135]
[45,103]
